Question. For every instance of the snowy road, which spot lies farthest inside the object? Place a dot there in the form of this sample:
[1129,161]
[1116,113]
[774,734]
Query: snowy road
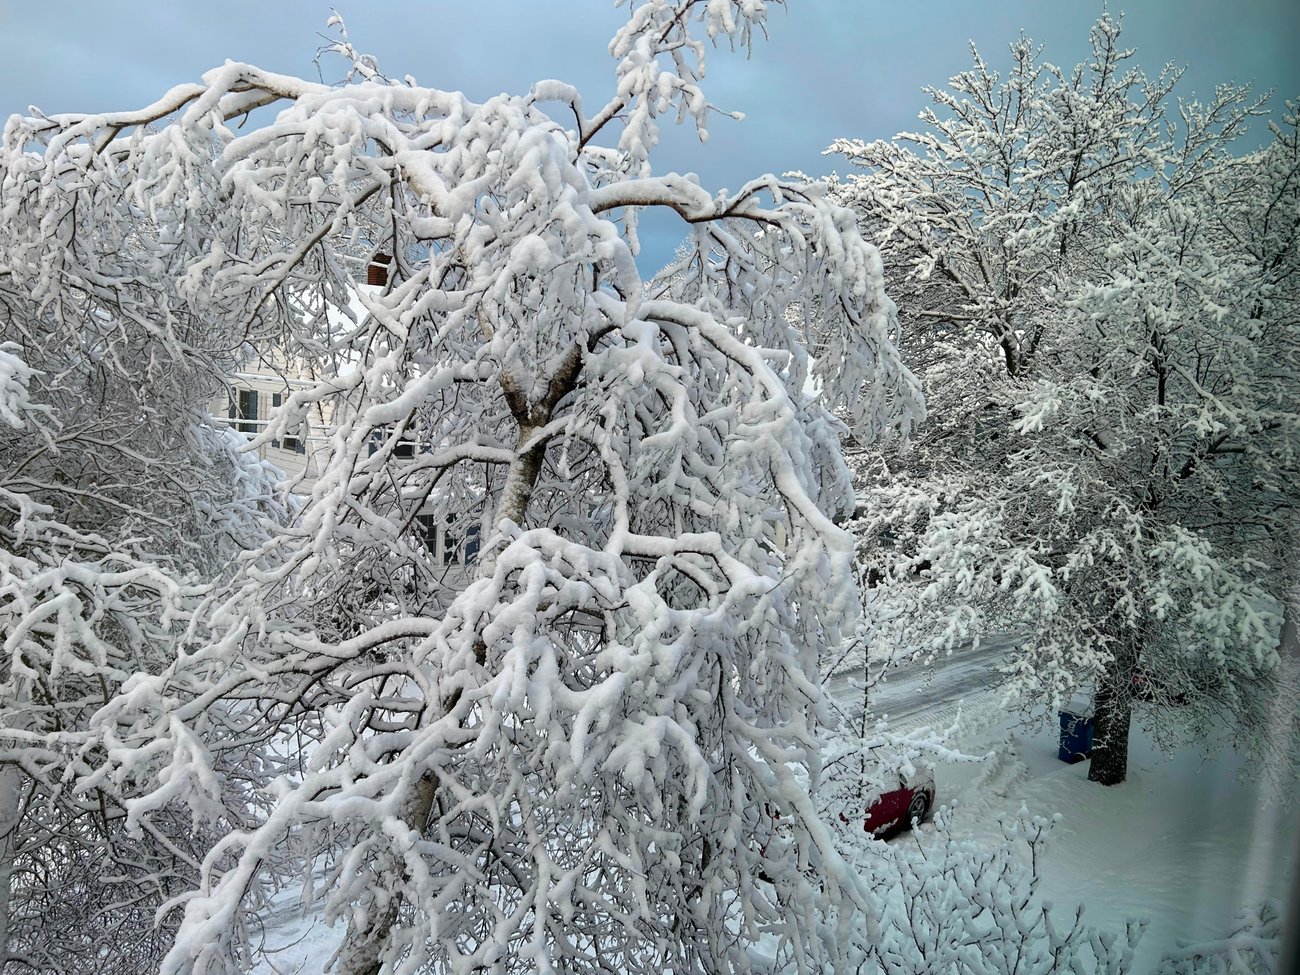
[917,692]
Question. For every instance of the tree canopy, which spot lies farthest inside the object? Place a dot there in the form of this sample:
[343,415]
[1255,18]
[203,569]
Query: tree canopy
[559,761]
[1100,287]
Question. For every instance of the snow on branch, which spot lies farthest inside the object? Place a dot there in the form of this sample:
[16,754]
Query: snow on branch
[547,749]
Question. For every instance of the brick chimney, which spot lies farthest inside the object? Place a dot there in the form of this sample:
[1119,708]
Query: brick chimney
[377,271]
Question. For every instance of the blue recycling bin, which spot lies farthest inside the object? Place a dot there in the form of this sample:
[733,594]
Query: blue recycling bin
[1076,734]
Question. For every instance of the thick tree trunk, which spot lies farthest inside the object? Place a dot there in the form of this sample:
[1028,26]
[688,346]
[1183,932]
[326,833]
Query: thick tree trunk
[360,952]
[362,949]
[1289,640]
[1112,713]
[10,800]
[11,804]
[521,478]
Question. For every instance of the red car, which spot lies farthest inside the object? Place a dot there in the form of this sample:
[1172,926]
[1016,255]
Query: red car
[897,810]
[894,812]
[1152,690]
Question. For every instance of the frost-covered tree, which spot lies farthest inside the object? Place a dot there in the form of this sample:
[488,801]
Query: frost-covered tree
[117,500]
[559,756]
[1101,293]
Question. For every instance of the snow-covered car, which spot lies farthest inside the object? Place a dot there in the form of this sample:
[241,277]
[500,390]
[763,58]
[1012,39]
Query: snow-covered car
[896,810]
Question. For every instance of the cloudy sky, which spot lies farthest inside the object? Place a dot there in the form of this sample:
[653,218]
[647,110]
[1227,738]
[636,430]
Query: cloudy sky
[830,67]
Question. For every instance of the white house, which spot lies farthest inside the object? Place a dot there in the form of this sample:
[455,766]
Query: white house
[259,390]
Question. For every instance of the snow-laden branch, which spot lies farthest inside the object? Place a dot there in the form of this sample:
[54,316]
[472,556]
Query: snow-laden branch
[547,750]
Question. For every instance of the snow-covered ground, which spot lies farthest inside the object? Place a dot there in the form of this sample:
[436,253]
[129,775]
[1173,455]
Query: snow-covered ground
[1186,842]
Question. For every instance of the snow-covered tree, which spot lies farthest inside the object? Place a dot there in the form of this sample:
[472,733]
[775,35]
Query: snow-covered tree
[117,498]
[1101,293]
[559,757]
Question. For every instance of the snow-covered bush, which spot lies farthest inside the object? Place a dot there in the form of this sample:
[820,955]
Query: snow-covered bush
[940,903]
[1253,947]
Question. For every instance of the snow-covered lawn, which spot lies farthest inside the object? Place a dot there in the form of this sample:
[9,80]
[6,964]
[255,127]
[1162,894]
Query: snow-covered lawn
[1185,842]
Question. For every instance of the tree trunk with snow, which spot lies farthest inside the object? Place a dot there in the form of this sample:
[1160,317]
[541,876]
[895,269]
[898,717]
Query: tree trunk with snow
[1112,714]
[1289,639]
[10,802]
[362,950]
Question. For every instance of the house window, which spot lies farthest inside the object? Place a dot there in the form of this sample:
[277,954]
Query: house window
[445,546]
[451,544]
[275,406]
[296,444]
[243,406]
[401,449]
[426,527]
[455,550]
